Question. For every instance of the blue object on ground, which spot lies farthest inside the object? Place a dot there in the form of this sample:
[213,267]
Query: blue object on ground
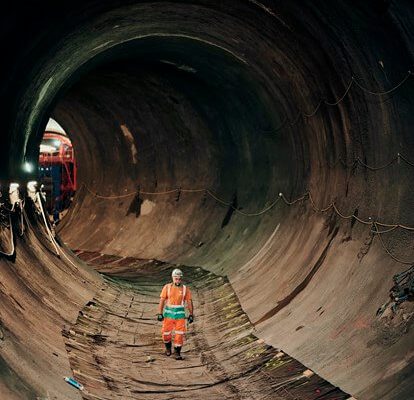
[74,383]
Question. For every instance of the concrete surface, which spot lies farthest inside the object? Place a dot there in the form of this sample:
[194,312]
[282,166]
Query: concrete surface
[198,94]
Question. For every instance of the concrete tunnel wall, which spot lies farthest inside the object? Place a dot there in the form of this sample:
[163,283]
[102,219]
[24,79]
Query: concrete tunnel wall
[191,94]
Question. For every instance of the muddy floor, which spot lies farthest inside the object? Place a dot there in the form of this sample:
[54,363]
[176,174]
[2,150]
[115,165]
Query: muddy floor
[116,352]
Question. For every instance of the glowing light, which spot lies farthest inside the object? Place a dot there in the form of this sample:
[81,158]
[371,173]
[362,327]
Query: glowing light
[14,194]
[27,167]
[31,186]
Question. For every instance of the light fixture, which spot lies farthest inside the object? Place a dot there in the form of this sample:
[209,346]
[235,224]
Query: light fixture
[27,167]
[31,188]
[14,194]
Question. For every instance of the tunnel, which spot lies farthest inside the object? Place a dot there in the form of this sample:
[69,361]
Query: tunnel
[263,147]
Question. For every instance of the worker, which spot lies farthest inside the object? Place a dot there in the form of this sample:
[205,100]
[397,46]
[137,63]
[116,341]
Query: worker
[174,296]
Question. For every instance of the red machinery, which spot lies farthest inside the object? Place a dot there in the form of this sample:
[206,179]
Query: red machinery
[57,170]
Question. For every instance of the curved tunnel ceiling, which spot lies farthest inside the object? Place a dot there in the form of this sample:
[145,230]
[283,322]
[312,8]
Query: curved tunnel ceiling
[229,105]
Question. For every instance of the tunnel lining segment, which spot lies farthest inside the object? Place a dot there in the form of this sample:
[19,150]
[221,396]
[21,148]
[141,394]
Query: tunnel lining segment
[289,68]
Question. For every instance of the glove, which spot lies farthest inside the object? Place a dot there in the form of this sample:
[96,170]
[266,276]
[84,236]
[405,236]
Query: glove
[160,317]
[190,319]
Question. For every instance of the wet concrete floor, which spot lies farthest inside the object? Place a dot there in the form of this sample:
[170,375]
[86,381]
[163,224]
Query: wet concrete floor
[115,348]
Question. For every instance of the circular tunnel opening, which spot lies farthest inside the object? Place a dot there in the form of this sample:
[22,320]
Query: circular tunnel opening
[265,145]
[175,129]
[57,171]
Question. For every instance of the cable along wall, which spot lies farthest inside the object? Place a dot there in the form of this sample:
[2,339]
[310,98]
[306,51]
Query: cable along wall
[342,150]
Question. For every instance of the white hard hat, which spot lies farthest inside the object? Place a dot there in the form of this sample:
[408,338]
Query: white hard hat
[177,272]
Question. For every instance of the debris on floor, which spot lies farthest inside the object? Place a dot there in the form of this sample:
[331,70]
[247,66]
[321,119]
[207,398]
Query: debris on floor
[74,383]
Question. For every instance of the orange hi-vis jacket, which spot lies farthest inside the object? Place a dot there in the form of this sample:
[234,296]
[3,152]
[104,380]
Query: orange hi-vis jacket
[175,297]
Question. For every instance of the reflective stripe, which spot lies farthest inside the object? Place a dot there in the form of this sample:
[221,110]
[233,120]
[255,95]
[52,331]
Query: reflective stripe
[179,332]
[175,317]
[174,306]
[184,289]
[166,333]
[174,314]
[174,309]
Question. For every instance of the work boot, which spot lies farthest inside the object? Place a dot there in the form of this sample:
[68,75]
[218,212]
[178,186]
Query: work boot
[168,349]
[177,353]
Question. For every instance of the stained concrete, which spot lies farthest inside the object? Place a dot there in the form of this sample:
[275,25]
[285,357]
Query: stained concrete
[221,96]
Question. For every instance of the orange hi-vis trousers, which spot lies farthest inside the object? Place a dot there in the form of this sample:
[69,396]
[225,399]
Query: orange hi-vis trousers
[170,325]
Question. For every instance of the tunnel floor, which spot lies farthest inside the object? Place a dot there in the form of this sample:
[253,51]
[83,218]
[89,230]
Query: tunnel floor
[115,349]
